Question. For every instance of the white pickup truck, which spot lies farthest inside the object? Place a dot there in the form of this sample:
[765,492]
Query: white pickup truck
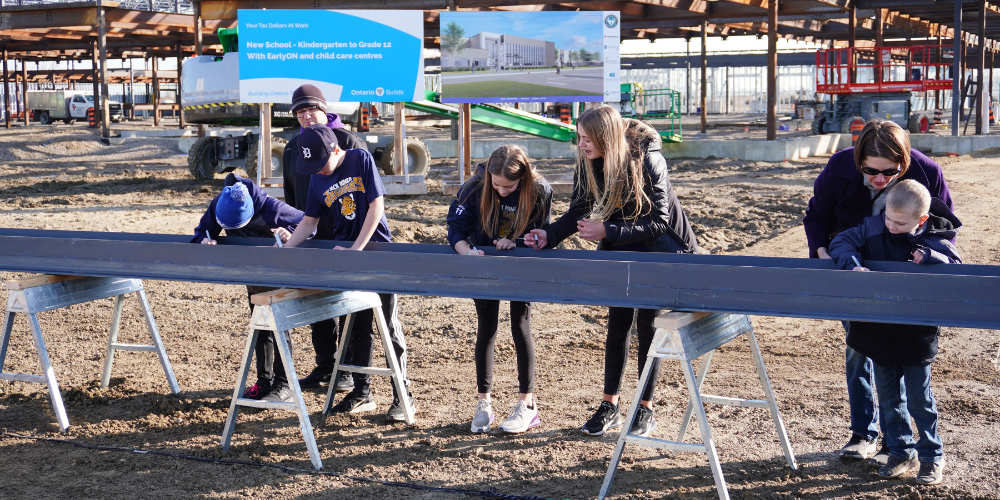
[66,105]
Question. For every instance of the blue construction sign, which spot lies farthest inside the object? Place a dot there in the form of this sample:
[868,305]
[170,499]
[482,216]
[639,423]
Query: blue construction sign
[354,55]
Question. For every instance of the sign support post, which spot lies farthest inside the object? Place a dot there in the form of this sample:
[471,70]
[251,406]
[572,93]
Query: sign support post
[264,146]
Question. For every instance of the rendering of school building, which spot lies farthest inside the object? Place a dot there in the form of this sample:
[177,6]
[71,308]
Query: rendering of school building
[487,49]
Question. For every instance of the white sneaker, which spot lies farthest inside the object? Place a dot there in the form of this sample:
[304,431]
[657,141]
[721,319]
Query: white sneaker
[521,418]
[483,417]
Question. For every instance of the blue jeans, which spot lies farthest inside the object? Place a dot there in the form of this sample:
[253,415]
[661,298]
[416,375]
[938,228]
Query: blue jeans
[920,403]
[861,383]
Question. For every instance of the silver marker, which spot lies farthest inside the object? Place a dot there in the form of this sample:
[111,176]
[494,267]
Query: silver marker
[856,263]
[278,239]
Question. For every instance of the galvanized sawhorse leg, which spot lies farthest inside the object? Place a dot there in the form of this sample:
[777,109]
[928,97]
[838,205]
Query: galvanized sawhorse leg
[392,369]
[280,311]
[47,292]
[685,336]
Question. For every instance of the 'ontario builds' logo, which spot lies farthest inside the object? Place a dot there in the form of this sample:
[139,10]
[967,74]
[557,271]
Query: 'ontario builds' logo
[377,92]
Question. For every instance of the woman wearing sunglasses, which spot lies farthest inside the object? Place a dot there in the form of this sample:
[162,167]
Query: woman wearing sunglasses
[852,186]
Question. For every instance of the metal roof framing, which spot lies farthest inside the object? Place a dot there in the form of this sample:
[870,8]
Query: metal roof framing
[950,295]
[60,31]
[810,20]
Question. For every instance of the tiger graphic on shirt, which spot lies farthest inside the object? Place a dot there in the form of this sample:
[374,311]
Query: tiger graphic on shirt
[343,191]
[507,213]
[348,208]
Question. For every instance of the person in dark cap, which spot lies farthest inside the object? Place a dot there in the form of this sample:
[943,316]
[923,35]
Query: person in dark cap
[244,210]
[346,190]
[309,107]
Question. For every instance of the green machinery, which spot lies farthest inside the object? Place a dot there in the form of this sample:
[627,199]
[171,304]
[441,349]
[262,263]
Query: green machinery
[647,104]
[511,119]
[633,98]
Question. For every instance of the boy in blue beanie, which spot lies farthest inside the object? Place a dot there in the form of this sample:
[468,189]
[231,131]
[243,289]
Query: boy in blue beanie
[244,210]
[346,191]
[919,229]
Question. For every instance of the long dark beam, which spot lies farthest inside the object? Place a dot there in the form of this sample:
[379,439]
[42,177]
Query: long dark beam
[963,296]
[695,21]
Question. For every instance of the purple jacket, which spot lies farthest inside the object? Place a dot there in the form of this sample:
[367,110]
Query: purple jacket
[840,198]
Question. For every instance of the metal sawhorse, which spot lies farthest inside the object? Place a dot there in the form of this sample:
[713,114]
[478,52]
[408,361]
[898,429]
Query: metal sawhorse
[46,292]
[684,336]
[282,310]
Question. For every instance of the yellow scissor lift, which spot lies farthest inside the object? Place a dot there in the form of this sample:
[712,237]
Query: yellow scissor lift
[647,104]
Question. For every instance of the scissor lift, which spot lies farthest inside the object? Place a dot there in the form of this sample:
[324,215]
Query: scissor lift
[878,82]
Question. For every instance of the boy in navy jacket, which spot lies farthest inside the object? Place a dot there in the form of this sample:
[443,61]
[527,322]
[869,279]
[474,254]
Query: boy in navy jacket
[917,228]
[346,191]
[244,210]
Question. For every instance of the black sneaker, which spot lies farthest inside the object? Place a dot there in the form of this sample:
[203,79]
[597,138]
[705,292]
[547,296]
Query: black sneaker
[606,417]
[396,414]
[257,391]
[881,456]
[930,472]
[345,382]
[280,393]
[896,467]
[644,422]
[858,448]
[316,378]
[354,403]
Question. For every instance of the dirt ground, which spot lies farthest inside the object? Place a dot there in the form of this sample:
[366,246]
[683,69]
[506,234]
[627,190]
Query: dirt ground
[63,178]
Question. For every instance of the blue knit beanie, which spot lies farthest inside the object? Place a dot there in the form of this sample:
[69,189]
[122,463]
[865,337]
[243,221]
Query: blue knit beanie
[235,208]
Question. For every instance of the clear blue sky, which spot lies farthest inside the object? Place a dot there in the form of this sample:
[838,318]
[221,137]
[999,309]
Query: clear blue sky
[568,30]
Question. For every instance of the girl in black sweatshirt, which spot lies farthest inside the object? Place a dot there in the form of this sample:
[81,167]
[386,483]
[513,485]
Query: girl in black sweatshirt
[505,200]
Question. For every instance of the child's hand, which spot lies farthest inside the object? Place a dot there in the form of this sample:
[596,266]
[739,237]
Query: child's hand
[208,241]
[282,233]
[865,269]
[477,253]
[504,244]
[918,255]
[537,239]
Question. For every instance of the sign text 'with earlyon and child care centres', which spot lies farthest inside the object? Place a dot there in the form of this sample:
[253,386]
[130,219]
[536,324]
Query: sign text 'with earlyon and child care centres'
[349,55]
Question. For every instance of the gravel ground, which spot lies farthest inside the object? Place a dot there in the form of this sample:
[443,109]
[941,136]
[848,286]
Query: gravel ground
[62,178]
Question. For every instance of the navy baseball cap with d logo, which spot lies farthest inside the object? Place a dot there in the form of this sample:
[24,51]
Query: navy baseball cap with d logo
[315,144]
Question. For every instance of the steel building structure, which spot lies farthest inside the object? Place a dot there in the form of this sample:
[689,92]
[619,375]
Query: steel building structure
[98,29]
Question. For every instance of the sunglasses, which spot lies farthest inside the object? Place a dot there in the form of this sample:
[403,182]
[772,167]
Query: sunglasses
[889,172]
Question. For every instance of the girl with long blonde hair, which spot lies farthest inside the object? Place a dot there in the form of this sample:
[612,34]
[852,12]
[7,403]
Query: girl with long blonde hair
[497,207]
[623,200]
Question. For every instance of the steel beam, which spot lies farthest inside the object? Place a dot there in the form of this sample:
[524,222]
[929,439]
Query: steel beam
[947,295]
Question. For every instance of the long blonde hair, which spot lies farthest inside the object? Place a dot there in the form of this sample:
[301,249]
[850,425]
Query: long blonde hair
[511,163]
[623,179]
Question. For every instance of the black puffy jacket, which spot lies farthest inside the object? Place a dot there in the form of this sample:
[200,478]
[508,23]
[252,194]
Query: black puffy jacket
[663,228]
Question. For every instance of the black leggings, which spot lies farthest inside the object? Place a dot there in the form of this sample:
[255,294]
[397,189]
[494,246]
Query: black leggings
[269,365]
[616,348]
[488,314]
[359,348]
